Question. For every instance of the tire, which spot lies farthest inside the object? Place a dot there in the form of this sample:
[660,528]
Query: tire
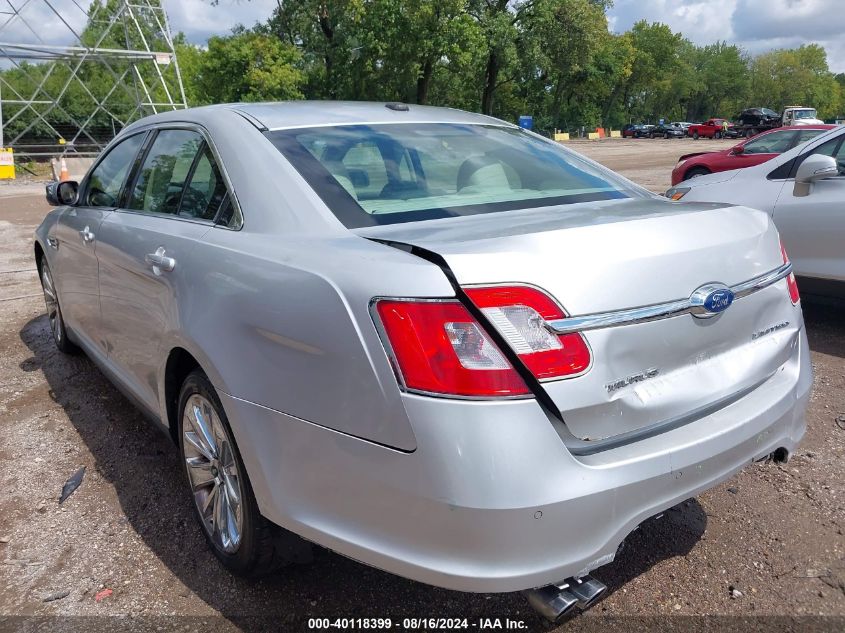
[749,133]
[666,136]
[248,545]
[717,135]
[54,312]
[695,172]
[695,135]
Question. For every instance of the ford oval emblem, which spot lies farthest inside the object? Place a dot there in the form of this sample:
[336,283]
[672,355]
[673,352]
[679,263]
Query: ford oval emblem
[711,299]
[719,300]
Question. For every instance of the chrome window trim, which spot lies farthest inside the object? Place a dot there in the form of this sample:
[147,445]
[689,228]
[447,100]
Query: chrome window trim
[657,311]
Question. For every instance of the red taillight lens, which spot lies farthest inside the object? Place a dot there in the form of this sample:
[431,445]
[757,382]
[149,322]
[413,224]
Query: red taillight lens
[440,348]
[790,281]
[519,313]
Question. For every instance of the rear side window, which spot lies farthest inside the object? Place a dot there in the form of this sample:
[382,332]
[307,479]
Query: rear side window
[166,167]
[384,174]
[106,181]
[206,189]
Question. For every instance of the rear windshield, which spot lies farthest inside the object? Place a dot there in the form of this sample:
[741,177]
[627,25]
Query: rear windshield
[385,174]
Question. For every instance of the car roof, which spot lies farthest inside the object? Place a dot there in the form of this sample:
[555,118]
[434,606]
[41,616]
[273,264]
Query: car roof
[296,114]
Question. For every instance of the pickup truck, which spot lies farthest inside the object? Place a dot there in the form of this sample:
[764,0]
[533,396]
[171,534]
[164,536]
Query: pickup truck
[712,128]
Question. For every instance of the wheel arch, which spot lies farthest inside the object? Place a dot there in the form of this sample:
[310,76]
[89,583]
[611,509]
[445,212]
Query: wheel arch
[181,360]
[702,168]
[38,251]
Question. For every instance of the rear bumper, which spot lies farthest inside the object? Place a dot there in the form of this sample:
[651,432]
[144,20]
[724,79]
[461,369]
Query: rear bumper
[491,500]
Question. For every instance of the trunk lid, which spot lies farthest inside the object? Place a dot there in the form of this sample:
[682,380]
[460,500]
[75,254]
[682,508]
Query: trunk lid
[617,255]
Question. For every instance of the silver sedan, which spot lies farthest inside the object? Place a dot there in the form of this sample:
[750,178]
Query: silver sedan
[426,339]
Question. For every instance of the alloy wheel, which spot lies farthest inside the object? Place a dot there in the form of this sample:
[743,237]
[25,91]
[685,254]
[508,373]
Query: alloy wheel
[51,300]
[213,473]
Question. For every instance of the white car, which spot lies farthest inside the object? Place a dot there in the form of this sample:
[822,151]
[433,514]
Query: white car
[804,192]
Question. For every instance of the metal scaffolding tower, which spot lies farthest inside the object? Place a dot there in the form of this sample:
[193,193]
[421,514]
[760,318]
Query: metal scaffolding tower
[113,63]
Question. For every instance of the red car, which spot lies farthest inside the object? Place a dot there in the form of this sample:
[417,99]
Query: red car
[712,128]
[750,152]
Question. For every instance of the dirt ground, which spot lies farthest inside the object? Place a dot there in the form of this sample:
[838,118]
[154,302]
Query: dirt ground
[648,162]
[764,551]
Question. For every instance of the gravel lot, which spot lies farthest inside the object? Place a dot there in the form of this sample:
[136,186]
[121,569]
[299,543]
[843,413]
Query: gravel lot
[768,544]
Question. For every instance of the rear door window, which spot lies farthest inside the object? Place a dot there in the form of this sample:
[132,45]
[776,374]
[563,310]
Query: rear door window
[167,165]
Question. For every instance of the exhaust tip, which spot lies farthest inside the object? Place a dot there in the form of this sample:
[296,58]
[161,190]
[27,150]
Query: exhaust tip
[555,603]
[552,602]
[587,590]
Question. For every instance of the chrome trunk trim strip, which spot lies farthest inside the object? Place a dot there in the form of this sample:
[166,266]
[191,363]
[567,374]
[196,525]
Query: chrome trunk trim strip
[659,311]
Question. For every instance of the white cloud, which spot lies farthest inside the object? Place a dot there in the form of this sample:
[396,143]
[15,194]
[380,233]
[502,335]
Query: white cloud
[755,25]
[36,22]
[812,19]
[199,20]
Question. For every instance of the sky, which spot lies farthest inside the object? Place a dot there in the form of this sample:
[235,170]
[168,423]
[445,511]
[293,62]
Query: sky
[755,25]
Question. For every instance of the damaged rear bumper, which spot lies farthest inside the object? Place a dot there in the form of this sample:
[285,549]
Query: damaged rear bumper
[491,500]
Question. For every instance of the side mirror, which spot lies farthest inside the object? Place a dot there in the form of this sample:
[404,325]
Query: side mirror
[815,167]
[739,149]
[62,193]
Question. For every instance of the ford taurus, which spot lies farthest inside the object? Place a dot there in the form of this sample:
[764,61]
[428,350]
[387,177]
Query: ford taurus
[426,339]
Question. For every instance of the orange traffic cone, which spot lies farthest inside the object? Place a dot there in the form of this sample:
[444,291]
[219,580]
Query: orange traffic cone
[64,174]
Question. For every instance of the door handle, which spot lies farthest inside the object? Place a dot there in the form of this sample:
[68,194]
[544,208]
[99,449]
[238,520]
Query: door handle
[159,261]
[87,235]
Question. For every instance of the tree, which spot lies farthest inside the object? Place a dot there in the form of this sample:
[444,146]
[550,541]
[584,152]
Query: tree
[797,76]
[244,66]
[554,59]
[714,80]
[656,60]
[569,37]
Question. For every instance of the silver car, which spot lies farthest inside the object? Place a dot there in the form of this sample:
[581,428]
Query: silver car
[423,338]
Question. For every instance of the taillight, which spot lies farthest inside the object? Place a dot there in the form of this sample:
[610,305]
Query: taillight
[790,280]
[519,314]
[440,348]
